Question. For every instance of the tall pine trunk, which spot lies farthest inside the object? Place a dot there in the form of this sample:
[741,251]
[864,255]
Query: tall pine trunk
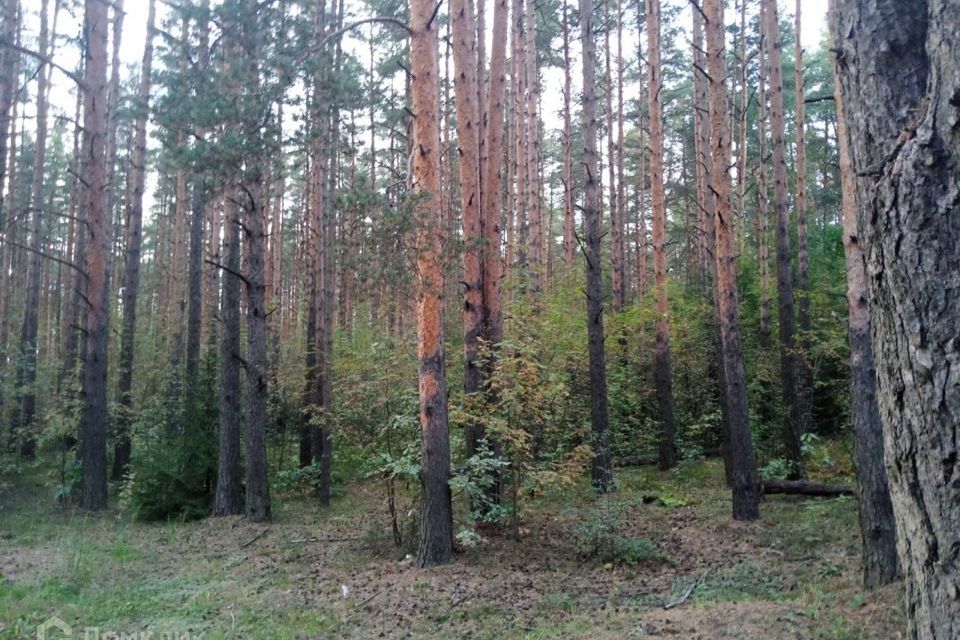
[131,278]
[491,172]
[789,360]
[569,241]
[27,364]
[616,222]
[763,205]
[602,469]
[742,467]
[257,500]
[661,359]
[878,531]
[803,258]
[897,65]
[228,499]
[93,418]
[532,160]
[468,128]
[436,523]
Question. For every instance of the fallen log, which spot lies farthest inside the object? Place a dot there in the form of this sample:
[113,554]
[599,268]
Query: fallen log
[804,488]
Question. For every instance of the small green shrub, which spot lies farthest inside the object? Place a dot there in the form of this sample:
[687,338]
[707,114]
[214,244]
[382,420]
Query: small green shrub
[599,539]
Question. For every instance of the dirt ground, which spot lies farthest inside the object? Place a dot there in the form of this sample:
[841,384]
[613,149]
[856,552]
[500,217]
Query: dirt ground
[792,574]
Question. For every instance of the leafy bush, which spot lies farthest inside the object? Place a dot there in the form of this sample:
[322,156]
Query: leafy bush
[174,456]
[599,538]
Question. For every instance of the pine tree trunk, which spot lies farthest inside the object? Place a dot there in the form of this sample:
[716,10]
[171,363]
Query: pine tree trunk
[763,213]
[27,364]
[641,232]
[789,361]
[569,240]
[742,465]
[468,126]
[436,523]
[532,162]
[228,499]
[877,528]
[93,419]
[707,199]
[897,70]
[198,197]
[803,260]
[131,278]
[620,244]
[9,75]
[257,501]
[602,468]
[661,366]
[804,366]
[491,172]
[330,170]
[740,216]
[616,222]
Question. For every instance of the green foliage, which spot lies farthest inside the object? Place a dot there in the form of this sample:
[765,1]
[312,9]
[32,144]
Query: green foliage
[524,409]
[174,461]
[599,538]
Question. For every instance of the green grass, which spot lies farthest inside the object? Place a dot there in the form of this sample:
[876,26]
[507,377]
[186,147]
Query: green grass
[798,566]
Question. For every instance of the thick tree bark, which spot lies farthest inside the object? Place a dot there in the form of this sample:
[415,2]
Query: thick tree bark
[93,419]
[602,468]
[661,358]
[27,363]
[228,499]
[900,88]
[131,278]
[468,125]
[742,467]
[436,523]
[793,424]
[877,528]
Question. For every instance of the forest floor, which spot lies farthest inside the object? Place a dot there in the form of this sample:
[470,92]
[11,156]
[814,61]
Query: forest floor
[795,573]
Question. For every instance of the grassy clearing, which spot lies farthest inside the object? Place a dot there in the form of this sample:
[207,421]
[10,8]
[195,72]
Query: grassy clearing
[793,574]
